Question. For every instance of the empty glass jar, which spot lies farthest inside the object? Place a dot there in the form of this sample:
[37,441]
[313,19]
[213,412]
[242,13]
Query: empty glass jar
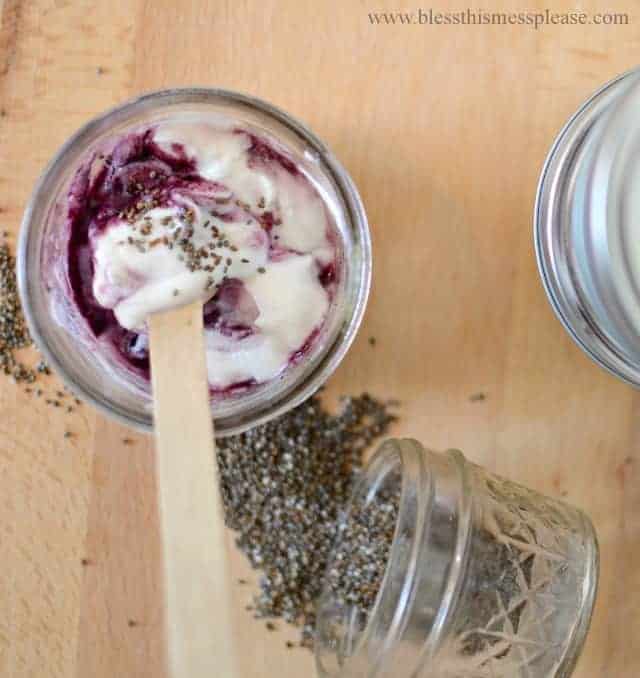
[466,575]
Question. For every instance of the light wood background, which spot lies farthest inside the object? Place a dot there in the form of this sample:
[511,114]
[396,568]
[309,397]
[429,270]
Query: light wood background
[444,130]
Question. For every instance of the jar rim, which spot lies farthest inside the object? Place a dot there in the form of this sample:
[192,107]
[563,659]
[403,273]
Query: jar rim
[354,214]
[554,222]
[417,476]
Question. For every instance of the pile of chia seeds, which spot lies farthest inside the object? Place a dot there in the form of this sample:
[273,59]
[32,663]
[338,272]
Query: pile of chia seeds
[14,334]
[15,337]
[284,486]
[360,559]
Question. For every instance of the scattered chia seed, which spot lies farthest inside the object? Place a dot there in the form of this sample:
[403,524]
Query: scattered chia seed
[270,626]
[372,341]
[262,269]
[68,434]
[14,334]
[360,559]
[477,397]
[284,485]
[43,368]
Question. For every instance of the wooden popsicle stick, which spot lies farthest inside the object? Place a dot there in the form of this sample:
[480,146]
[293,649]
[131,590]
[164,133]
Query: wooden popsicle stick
[198,599]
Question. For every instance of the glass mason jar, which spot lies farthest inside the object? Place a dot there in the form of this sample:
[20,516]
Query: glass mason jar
[50,316]
[585,226]
[483,577]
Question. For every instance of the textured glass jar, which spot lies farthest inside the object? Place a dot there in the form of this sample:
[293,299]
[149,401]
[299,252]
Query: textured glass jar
[84,369]
[586,227]
[484,579]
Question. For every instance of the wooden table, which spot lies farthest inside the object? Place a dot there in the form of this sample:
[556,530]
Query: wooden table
[444,129]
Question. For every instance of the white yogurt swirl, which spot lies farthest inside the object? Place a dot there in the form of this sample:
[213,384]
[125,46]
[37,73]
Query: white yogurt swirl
[245,228]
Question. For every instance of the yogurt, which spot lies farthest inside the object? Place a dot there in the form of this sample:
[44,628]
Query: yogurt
[195,208]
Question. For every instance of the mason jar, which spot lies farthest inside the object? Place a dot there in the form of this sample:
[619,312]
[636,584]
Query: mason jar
[57,327]
[585,227]
[482,578]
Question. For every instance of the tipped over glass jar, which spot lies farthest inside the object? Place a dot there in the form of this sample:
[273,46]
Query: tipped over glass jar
[443,570]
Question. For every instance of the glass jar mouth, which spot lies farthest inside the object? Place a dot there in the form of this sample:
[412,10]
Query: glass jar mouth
[348,643]
[83,374]
[581,254]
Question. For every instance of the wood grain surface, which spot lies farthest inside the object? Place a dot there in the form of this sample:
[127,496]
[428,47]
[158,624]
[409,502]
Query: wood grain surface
[444,129]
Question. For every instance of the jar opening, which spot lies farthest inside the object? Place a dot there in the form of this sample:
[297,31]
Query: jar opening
[372,577]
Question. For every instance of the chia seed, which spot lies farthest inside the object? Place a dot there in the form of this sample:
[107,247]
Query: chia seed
[494,584]
[360,559]
[14,334]
[284,485]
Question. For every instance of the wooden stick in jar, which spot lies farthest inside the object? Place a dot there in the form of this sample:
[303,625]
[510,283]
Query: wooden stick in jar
[198,605]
